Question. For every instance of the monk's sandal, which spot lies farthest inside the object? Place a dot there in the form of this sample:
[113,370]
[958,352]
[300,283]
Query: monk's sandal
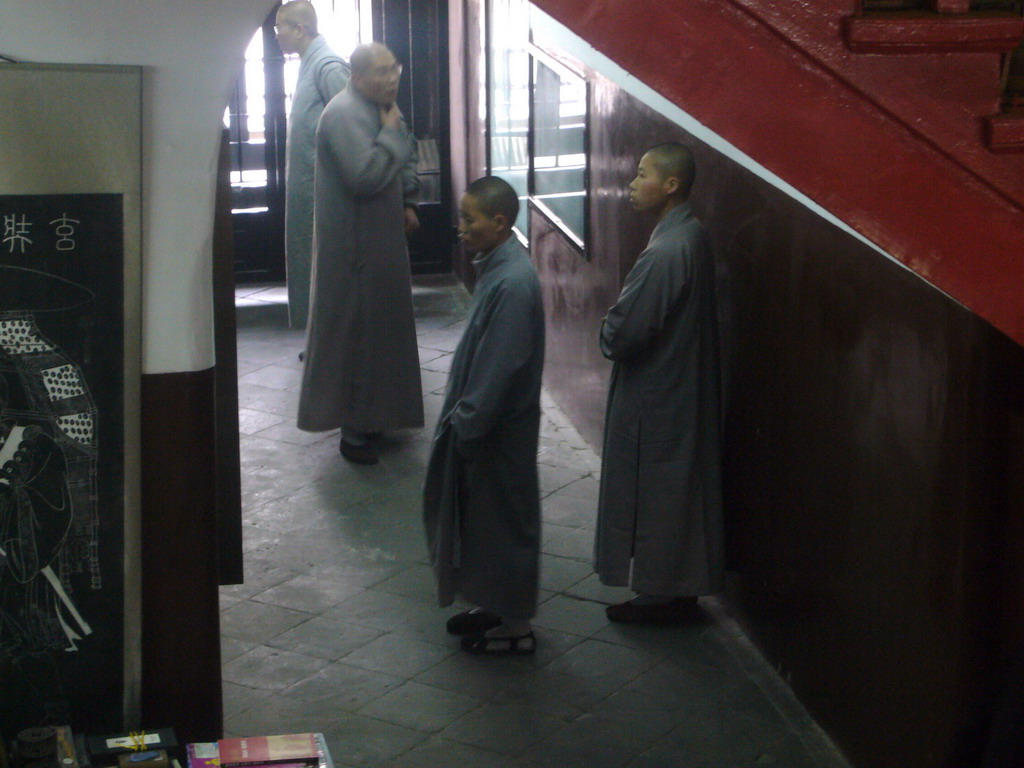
[482,645]
[472,622]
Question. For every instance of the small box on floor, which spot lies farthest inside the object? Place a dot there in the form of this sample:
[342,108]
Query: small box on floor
[150,758]
[105,750]
[44,747]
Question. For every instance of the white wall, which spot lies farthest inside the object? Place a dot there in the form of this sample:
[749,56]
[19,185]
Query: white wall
[192,51]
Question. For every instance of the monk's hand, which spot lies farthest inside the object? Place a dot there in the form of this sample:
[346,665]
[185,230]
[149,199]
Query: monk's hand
[390,115]
[412,221]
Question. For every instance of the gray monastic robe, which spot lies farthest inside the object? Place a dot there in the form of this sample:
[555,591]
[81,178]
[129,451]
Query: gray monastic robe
[362,363]
[322,75]
[659,526]
[482,513]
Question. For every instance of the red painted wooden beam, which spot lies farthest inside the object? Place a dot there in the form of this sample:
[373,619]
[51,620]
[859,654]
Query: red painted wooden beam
[923,32]
[932,207]
[1005,133]
[951,6]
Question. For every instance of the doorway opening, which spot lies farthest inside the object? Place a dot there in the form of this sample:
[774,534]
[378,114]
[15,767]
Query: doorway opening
[256,120]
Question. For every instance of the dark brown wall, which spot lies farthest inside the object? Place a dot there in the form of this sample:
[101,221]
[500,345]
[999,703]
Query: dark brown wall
[873,447]
[181,683]
[469,151]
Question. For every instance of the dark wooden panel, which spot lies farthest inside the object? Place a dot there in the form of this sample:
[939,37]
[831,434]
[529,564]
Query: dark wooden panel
[229,480]
[873,449]
[576,296]
[469,129]
[181,683]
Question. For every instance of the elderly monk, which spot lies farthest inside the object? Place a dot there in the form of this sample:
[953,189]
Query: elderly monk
[481,498]
[322,75]
[659,523]
[362,364]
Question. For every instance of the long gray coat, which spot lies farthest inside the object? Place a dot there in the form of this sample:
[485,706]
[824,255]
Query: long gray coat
[362,363]
[482,513]
[659,526]
[322,75]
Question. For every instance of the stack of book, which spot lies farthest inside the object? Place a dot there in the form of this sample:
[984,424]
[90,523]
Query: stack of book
[292,750]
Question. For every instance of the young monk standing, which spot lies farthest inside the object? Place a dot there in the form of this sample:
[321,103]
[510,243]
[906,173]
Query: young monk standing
[659,525]
[482,498]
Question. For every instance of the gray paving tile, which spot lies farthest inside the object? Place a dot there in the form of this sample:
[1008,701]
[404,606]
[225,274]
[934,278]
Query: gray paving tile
[433,381]
[271,668]
[239,698]
[478,677]
[324,638]
[550,645]
[381,610]
[556,693]
[357,740]
[503,728]
[287,513]
[415,582]
[613,664]
[559,574]
[576,617]
[438,751]
[591,588]
[273,377]
[569,511]
[585,488]
[422,707]
[232,648]
[259,574]
[397,655]
[251,422]
[427,355]
[259,398]
[637,714]
[553,478]
[273,714]
[721,738]
[287,432]
[679,685]
[342,686]
[558,452]
[586,743]
[258,622]
[440,363]
[575,543]
[308,593]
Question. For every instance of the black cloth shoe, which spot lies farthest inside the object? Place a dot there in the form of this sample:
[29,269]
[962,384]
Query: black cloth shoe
[359,454]
[472,622]
[482,645]
[675,611]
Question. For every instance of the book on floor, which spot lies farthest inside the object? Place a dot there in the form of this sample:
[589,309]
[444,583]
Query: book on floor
[302,749]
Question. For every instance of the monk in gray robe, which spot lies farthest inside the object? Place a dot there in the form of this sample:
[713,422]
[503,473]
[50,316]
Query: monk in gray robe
[659,526]
[481,498]
[362,363]
[322,75]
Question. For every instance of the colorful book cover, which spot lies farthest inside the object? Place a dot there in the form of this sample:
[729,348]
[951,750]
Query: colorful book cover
[254,750]
[202,754]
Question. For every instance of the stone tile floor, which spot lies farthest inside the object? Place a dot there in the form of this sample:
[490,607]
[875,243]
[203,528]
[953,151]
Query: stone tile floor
[336,627]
